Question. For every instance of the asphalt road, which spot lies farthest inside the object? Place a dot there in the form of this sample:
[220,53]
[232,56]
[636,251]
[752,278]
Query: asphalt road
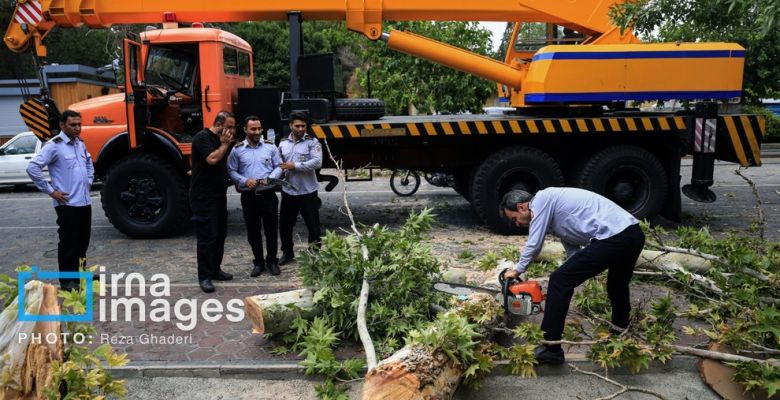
[29,231]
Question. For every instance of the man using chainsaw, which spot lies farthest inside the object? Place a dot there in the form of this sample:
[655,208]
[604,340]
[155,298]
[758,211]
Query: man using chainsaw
[250,164]
[597,234]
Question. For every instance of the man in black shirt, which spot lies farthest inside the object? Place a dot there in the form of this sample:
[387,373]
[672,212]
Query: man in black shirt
[208,200]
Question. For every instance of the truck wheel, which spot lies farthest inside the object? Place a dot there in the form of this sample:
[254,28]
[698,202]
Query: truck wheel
[359,109]
[144,196]
[524,168]
[630,176]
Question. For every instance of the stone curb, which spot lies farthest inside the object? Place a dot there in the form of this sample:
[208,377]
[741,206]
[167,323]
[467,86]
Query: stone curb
[284,370]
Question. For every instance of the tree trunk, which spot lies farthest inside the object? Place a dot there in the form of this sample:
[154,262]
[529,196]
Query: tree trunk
[417,373]
[273,313]
[412,373]
[33,359]
[554,252]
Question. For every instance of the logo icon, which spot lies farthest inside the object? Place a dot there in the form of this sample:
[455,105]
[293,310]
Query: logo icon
[34,273]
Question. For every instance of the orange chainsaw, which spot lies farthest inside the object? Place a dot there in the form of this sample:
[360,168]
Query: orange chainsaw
[517,297]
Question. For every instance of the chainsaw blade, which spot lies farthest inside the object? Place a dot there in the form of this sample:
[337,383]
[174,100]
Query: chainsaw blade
[462,290]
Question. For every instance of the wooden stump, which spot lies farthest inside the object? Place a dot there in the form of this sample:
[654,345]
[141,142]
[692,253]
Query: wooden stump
[36,372]
[273,313]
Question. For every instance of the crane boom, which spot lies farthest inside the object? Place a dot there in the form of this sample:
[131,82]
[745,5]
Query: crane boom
[364,16]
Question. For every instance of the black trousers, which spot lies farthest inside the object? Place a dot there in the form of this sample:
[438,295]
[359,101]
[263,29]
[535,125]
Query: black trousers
[618,255]
[261,213]
[75,226]
[211,230]
[308,205]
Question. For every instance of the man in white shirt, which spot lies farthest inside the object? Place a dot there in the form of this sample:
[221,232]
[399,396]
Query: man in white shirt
[597,234]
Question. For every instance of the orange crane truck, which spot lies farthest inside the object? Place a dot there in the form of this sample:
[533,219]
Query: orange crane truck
[568,71]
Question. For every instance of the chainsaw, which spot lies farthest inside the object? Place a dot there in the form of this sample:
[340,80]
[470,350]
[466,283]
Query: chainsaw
[272,184]
[517,297]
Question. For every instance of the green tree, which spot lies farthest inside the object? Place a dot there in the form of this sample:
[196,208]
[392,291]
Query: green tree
[402,80]
[270,42]
[751,23]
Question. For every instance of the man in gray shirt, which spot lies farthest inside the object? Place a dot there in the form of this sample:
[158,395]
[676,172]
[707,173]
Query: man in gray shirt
[597,234]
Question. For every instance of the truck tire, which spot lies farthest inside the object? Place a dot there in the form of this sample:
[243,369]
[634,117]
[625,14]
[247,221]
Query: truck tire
[359,109]
[144,196]
[630,176]
[524,168]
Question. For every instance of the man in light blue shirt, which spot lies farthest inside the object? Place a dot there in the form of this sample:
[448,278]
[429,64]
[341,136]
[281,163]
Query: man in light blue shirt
[71,171]
[250,164]
[302,157]
[597,234]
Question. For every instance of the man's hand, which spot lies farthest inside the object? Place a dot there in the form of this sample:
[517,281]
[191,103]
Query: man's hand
[251,183]
[288,166]
[226,137]
[61,197]
[263,182]
[511,274]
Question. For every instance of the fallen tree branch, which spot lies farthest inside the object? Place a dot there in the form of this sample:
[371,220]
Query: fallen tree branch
[623,388]
[365,337]
[714,355]
[759,207]
[711,257]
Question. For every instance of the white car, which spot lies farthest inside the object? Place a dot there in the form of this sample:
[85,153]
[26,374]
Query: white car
[14,157]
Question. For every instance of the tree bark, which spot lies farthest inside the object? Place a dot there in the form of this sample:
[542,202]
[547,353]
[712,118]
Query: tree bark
[36,358]
[412,373]
[417,373]
[273,313]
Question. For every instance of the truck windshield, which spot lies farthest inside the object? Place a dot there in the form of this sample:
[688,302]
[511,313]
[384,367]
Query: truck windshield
[170,68]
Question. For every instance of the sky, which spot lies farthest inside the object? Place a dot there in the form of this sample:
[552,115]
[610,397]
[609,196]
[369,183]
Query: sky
[497,29]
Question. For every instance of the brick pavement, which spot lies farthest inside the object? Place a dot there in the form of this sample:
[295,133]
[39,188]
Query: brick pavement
[221,341]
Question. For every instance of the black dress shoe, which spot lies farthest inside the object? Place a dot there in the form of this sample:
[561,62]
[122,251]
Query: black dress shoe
[258,269]
[546,356]
[274,267]
[286,259]
[207,286]
[223,276]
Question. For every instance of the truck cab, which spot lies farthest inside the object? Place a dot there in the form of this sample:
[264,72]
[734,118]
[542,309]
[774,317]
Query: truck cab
[176,81]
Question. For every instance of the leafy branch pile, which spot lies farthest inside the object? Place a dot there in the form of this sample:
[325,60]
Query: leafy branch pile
[401,271]
[737,310]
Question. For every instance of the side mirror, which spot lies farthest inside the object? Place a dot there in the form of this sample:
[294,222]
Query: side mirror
[2,152]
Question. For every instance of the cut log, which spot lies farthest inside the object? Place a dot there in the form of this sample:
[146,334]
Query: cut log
[417,373]
[554,252]
[274,313]
[412,373]
[30,361]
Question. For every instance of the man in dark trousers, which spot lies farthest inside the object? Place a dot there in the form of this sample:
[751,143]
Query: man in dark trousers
[208,198]
[71,171]
[597,234]
[250,164]
[302,157]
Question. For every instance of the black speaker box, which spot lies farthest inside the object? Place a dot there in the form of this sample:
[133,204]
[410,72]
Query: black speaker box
[320,73]
[263,102]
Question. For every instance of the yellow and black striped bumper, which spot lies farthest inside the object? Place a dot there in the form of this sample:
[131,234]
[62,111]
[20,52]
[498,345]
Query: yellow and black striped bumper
[744,133]
[500,127]
[36,117]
